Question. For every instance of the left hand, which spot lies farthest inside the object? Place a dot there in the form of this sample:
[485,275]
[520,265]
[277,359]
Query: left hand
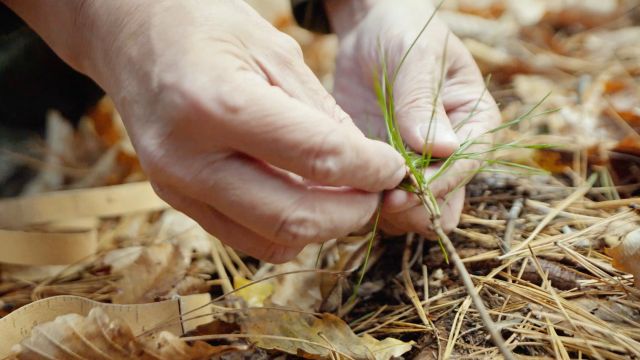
[366,26]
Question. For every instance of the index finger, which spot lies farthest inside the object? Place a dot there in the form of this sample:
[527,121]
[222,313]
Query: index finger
[264,122]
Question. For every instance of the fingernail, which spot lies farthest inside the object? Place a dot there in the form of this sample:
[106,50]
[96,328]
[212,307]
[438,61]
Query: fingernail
[426,131]
[399,174]
[450,137]
[435,135]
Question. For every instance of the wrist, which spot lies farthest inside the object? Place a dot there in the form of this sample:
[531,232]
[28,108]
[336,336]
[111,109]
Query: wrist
[56,22]
[111,30]
[83,33]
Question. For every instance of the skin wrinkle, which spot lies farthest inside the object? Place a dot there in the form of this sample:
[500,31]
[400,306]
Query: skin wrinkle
[282,74]
[178,130]
[275,131]
[273,61]
[130,30]
[324,158]
[463,99]
[275,137]
[297,225]
[235,189]
[79,23]
[235,194]
[217,224]
[463,105]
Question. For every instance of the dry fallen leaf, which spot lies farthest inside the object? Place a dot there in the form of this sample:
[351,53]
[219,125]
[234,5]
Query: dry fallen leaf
[626,255]
[177,228]
[313,337]
[97,336]
[299,290]
[154,273]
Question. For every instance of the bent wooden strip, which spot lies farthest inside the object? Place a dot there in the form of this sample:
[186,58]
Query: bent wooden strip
[70,204]
[140,317]
[46,248]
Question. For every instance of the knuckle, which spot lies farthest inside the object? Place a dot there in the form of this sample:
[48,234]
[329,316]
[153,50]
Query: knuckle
[181,107]
[229,100]
[176,97]
[290,46]
[326,158]
[287,52]
[298,227]
[331,107]
[187,100]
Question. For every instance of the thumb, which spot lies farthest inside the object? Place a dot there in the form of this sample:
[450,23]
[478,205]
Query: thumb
[422,118]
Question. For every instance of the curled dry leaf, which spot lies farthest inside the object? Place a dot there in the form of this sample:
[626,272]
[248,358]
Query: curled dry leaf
[313,337]
[98,337]
[177,228]
[152,275]
[626,255]
[299,290]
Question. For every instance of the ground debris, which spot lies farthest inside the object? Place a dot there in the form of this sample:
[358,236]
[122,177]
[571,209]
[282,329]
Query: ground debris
[98,337]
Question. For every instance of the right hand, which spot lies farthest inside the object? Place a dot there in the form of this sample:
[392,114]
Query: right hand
[231,126]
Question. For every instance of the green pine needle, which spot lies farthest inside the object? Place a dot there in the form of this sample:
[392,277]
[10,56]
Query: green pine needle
[365,264]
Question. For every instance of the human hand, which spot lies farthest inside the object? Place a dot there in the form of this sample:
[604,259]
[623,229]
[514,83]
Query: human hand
[231,126]
[364,27]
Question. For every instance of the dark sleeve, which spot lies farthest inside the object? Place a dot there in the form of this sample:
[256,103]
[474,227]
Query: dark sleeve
[311,15]
[8,20]
[33,79]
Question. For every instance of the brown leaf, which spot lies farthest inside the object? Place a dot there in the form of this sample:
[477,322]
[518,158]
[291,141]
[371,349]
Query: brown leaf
[624,160]
[553,161]
[628,145]
[300,290]
[315,337]
[106,128]
[153,274]
[626,255]
[98,337]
